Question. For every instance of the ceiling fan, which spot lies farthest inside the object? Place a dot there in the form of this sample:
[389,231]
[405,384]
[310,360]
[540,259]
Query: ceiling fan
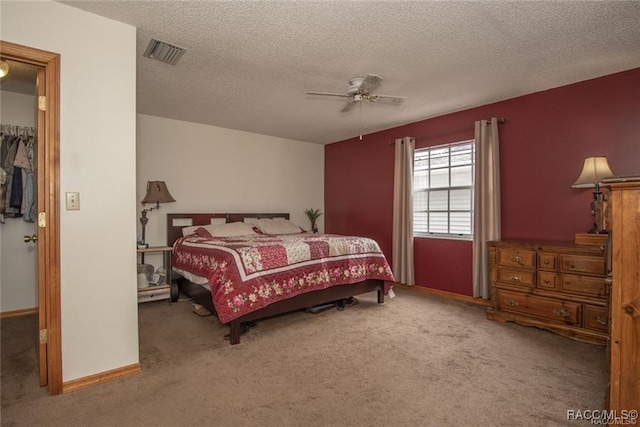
[360,89]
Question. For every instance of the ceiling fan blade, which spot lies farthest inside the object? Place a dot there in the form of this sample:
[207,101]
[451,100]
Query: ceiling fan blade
[386,99]
[342,95]
[370,82]
[348,107]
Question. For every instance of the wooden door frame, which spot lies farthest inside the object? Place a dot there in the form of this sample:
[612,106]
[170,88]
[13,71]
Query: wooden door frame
[41,194]
[49,148]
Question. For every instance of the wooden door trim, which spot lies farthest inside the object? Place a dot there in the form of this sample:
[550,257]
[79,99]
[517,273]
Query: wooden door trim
[41,194]
[51,175]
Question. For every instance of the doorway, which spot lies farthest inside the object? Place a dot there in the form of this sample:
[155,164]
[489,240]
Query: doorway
[18,117]
[47,216]
[18,233]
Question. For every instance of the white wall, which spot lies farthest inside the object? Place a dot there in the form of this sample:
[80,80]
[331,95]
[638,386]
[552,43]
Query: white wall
[18,280]
[97,159]
[213,169]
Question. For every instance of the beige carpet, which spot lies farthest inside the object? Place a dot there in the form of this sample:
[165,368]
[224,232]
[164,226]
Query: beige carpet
[417,360]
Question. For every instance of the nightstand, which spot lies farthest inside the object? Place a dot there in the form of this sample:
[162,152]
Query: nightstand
[165,290]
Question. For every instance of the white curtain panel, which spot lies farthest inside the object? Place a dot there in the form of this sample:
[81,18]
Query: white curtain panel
[402,262]
[486,221]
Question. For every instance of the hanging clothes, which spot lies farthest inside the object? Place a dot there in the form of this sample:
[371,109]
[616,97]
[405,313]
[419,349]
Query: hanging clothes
[24,161]
[17,184]
[15,201]
[11,143]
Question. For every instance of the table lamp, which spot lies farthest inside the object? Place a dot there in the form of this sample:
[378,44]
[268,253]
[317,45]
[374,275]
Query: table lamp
[157,193]
[594,170]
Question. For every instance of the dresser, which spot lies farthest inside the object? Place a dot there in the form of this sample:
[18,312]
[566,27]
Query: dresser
[558,287]
[624,357]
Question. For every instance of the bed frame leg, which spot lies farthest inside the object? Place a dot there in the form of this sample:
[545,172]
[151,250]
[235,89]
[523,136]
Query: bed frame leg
[234,330]
[380,296]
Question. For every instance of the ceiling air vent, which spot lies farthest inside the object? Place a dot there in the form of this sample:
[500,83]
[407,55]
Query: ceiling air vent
[164,52]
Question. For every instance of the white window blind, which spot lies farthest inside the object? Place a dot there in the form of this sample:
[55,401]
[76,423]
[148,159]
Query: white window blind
[443,190]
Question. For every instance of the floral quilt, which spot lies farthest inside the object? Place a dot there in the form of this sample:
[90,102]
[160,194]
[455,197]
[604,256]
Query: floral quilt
[247,273]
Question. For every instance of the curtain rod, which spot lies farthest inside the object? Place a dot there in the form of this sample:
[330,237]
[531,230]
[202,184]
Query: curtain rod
[418,138]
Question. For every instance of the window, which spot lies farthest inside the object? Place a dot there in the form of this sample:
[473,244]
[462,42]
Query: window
[443,190]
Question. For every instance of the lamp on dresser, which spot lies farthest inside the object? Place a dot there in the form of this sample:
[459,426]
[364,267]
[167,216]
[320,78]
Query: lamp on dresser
[157,192]
[594,170]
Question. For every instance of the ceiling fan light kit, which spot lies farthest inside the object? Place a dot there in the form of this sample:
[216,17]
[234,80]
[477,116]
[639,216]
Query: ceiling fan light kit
[359,89]
[354,85]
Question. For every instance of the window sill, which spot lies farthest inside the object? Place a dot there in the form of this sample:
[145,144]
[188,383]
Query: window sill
[443,237]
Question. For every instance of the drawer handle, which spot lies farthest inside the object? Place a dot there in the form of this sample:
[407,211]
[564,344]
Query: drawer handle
[561,313]
[546,261]
[546,281]
[516,259]
[511,302]
[602,320]
[515,279]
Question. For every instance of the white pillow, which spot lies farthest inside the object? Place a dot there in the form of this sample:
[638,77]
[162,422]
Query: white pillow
[251,221]
[278,226]
[186,231]
[231,229]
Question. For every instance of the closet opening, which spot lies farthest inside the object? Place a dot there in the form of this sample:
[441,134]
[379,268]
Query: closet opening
[18,229]
[29,207]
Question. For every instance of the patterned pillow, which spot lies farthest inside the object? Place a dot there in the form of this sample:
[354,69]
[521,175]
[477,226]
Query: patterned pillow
[202,232]
[186,231]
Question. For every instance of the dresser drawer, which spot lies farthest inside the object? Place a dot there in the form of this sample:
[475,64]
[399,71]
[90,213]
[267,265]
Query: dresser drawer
[595,318]
[547,261]
[582,265]
[547,281]
[582,285]
[154,293]
[514,276]
[558,311]
[515,257]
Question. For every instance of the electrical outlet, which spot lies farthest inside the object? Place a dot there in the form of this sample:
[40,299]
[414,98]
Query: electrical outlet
[73,201]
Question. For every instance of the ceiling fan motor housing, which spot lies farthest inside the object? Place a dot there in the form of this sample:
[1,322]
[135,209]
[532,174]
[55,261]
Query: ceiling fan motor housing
[354,85]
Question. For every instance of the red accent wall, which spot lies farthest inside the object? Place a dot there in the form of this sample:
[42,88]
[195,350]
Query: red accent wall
[546,137]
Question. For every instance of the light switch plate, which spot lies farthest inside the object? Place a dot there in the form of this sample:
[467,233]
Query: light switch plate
[73,201]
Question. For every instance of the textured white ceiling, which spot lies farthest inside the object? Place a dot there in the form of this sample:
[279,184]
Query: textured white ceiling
[249,64]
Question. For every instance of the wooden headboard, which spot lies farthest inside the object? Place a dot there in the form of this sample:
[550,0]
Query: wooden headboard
[177,221]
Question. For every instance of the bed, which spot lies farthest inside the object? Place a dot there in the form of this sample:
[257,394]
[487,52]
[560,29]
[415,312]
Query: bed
[246,278]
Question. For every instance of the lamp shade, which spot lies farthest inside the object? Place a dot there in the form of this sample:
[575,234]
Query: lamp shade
[594,170]
[157,192]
